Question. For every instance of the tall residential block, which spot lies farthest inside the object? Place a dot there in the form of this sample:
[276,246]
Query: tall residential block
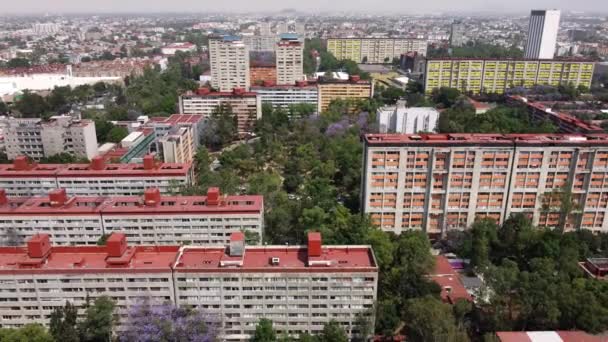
[149,219]
[284,96]
[542,34]
[439,182]
[37,138]
[352,89]
[229,62]
[289,59]
[374,50]
[457,34]
[477,76]
[99,178]
[301,288]
[245,105]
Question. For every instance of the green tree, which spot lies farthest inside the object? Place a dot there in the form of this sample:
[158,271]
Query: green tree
[264,332]
[31,105]
[18,63]
[333,332]
[429,320]
[63,323]
[98,321]
[3,107]
[446,96]
[28,333]
[116,134]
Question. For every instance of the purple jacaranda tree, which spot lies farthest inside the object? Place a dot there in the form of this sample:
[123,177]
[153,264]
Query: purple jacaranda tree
[165,322]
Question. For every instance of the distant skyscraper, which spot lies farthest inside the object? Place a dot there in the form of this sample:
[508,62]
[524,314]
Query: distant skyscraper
[282,27]
[542,34]
[229,62]
[265,29]
[290,56]
[457,36]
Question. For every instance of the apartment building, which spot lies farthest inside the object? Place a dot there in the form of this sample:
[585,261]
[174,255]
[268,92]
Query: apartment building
[24,179]
[178,146]
[289,59]
[565,123]
[542,34]
[352,89]
[283,96]
[245,105]
[300,288]
[37,138]
[374,50]
[497,75]
[262,72]
[402,119]
[438,182]
[149,219]
[261,43]
[229,63]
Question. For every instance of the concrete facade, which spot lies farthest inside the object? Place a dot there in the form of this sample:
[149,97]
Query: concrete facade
[498,75]
[402,119]
[300,288]
[151,219]
[229,62]
[98,178]
[438,182]
[36,138]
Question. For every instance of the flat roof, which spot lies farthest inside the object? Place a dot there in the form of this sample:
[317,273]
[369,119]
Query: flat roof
[111,258]
[85,170]
[131,205]
[87,259]
[548,336]
[184,118]
[563,59]
[291,259]
[490,139]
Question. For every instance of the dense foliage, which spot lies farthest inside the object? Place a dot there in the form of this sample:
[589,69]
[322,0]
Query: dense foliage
[478,50]
[533,280]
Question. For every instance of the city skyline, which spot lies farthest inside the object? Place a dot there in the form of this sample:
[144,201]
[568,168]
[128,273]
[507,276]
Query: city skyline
[240,6]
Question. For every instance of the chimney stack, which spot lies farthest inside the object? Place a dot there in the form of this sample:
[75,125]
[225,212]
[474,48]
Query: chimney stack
[314,244]
[116,244]
[21,163]
[3,197]
[39,246]
[213,196]
[237,244]
[203,91]
[97,163]
[152,196]
[149,163]
[58,198]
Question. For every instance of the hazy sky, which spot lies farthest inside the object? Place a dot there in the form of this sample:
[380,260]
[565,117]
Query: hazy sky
[401,6]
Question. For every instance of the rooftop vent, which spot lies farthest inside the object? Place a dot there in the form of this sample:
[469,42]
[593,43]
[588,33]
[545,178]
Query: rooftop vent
[39,246]
[149,163]
[275,261]
[21,163]
[3,198]
[213,196]
[314,244]
[97,163]
[152,196]
[237,244]
[116,244]
[58,198]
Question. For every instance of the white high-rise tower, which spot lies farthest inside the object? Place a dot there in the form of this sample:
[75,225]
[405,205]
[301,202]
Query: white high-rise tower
[542,34]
